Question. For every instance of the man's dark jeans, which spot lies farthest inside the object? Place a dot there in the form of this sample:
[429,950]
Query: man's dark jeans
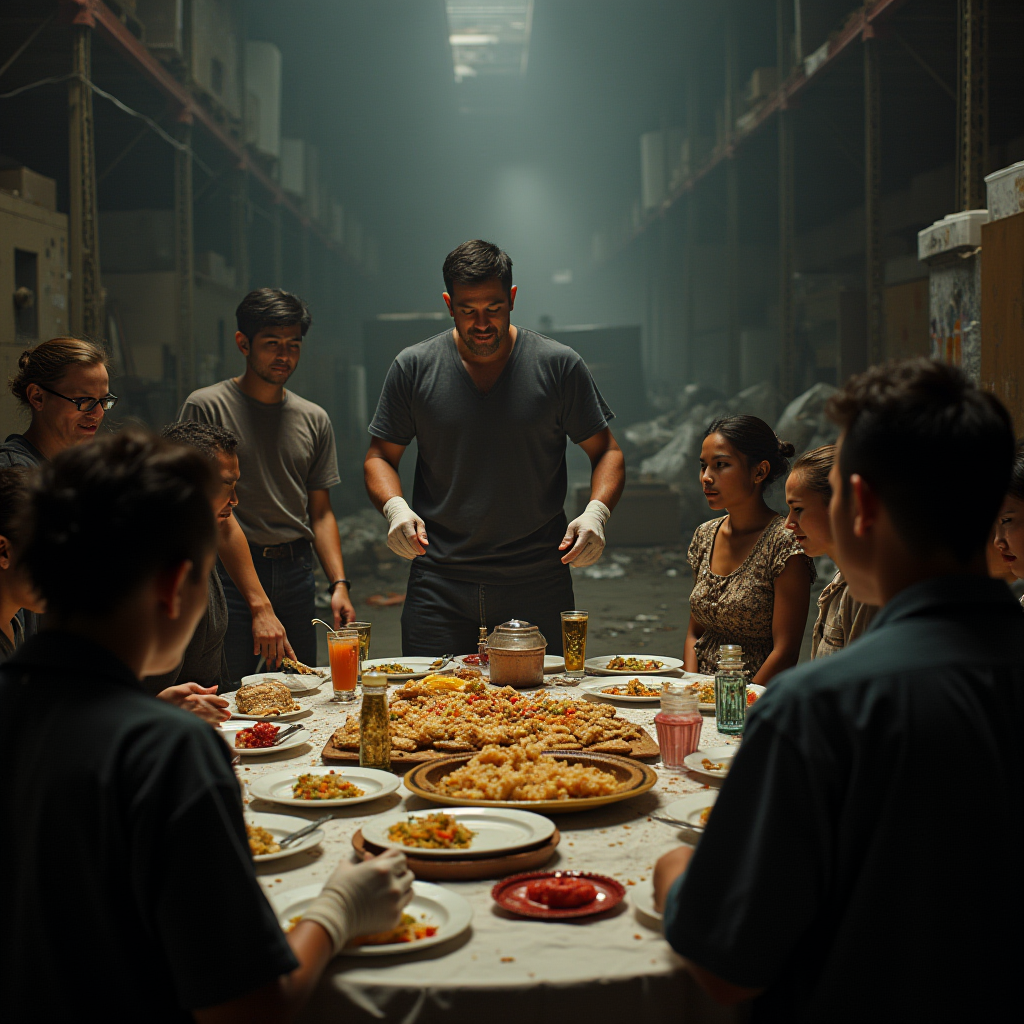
[290,587]
[443,616]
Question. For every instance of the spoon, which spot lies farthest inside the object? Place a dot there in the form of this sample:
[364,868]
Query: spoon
[320,622]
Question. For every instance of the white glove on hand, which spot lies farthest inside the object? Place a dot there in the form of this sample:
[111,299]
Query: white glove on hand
[360,899]
[407,533]
[587,531]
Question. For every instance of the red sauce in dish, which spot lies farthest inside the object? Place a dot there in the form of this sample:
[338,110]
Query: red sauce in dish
[476,659]
[561,893]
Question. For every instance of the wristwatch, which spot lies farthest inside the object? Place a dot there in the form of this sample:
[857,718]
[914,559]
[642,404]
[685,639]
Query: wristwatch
[330,589]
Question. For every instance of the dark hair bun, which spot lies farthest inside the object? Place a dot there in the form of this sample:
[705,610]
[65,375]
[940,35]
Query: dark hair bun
[786,450]
[24,359]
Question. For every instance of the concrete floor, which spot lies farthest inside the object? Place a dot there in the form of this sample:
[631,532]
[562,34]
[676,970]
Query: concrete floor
[638,602]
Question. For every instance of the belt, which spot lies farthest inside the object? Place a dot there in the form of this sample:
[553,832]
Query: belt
[293,549]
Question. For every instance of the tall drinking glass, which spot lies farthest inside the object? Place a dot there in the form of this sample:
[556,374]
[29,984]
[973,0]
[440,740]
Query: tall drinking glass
[574,642]
[363,629]
[343,651]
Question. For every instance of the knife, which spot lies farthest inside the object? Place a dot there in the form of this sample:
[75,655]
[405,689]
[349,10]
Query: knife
[677,823]
[305,831]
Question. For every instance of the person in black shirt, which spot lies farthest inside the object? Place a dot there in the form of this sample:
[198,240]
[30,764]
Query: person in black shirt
[105,854]
[829,885]
[490,406]
[16,590]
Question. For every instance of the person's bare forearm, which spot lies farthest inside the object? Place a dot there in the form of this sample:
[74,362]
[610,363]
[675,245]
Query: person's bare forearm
[608,477]
[693,632]
[233,551]
[382,480]
[607,468]
[781,658]
[327,543]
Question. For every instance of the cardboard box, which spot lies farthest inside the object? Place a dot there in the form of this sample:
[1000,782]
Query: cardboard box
[30,186]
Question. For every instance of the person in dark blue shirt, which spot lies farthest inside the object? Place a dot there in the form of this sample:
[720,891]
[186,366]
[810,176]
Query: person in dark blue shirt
[863,859]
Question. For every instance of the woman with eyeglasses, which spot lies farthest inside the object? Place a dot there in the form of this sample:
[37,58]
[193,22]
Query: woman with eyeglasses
[64,384]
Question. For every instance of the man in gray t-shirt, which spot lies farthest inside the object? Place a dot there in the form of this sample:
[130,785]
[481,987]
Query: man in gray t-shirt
[288,463]
[490,406]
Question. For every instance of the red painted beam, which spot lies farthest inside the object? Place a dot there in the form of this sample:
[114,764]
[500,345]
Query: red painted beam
[123,42]
[860,27]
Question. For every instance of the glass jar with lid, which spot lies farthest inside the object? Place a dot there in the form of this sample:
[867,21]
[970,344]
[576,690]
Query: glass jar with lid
[516,652]
[678,723]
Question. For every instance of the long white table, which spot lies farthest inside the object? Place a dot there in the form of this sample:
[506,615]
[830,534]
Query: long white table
[505,968]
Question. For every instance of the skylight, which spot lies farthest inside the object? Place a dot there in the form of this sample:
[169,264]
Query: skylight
[489,37]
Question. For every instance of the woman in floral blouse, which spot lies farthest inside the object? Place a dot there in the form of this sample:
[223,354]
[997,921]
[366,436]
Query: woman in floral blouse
[752,581]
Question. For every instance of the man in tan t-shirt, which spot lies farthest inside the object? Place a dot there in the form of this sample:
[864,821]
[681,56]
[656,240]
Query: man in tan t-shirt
[288,463]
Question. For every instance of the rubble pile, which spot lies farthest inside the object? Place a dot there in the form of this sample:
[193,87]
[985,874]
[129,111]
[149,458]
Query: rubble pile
[667,448]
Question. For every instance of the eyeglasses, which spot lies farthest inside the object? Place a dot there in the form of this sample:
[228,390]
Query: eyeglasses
[108,401]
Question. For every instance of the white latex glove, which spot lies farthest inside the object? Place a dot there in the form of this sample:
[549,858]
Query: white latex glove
[407,533]
[361,899]
[586,535]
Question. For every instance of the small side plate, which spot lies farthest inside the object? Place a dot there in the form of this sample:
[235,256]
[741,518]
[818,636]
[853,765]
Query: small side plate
[510,893]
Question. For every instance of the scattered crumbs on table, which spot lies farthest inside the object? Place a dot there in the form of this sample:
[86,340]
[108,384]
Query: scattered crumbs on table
[638,937]
[643,878]
[612,844]
[627,826]
[247,769]
[629,881]
[512,959]
[277,879]
[571,843]
[531,975]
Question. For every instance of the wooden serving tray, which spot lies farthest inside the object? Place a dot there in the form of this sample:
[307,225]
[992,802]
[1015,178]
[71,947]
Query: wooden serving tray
[642,748]
[451,869]
[635,778]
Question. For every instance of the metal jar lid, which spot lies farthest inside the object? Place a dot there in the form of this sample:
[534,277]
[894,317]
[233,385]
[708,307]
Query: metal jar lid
[516,635]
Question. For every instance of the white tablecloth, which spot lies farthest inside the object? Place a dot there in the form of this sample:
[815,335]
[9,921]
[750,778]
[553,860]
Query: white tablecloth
[507,968]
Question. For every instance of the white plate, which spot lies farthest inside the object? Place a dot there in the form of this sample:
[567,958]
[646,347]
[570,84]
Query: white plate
[598,666]
[277,788]
[229,729]
[295,682]
[689,807]
[431,904]
[420,667]
[279,825]
[246,718]
[498,830]
[691,678]
[643,902]
[721,755]
[596,687]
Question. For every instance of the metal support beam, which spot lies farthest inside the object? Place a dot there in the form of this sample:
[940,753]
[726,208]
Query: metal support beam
[732,255]
[240,227]
[184,262]
[787,338]
[84,263]
[972,103]
[306,263]
[874,269]
[278,247]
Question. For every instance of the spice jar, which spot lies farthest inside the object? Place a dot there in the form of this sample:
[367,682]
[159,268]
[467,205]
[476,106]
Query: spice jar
[374,723]
[678,723]
[516,654]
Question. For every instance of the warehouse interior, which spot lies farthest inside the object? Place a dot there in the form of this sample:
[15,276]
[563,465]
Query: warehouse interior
[727,205]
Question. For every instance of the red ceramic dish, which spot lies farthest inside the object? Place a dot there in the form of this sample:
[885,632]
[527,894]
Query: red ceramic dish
[512,894]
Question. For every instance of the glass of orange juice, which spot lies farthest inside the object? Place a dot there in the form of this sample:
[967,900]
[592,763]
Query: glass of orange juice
[343,651]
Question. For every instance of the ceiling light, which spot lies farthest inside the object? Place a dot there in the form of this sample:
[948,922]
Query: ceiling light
[470,40]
